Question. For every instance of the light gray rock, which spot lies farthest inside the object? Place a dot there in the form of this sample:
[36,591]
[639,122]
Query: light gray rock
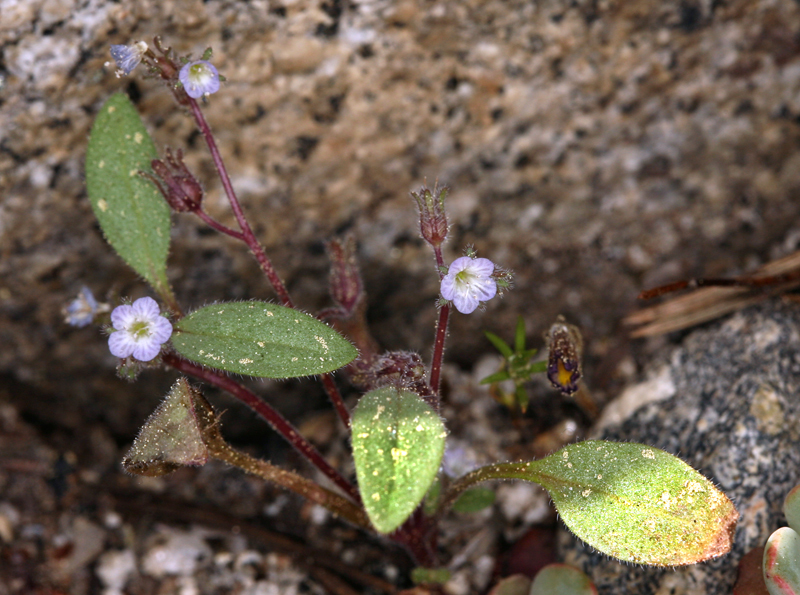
[734,415]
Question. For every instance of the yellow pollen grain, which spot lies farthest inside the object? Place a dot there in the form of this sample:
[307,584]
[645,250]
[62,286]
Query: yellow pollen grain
[102,164]
[376,496]
[270,313]
[648,454]
[102,205]
[294,359]
[245,360]
[137,138]
[133,172]
[111,109]
[398,453]
[585,493]
[260,343]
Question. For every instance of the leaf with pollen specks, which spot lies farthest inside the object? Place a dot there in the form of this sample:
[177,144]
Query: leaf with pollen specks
[398,443]
[636,503]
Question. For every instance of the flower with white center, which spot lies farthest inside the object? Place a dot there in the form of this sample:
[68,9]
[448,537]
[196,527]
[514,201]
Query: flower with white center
[128,57]
[139,330]
[199,78]
[468,283]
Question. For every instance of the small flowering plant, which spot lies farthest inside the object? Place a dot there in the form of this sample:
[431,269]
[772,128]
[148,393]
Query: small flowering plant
[611,495]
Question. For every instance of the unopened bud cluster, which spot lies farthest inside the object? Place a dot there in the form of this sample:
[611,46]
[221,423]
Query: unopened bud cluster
[432,217]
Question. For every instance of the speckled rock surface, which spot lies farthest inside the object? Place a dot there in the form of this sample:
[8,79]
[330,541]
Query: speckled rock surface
[734,415]
[592,147]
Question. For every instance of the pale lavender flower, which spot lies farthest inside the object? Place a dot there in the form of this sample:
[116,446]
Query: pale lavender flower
[469,282]
[128,57]
[199,78]
[81,311]
[139,331]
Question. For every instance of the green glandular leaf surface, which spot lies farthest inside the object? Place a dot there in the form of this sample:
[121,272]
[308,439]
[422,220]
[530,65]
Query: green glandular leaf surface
[133,215]
[398,443]
[635,502]
[261,339]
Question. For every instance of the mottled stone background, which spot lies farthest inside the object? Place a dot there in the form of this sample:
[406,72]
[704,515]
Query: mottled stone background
[594,147]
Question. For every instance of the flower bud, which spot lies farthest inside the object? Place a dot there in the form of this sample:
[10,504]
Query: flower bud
[432,217]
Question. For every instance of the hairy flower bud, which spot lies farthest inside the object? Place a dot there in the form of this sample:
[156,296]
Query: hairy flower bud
[432,217]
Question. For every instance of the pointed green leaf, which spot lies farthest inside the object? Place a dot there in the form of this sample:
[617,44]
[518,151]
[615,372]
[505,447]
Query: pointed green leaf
[519,335]
[261,339]
[398,443]
[637,503]
[171,437]
[560,579]
[496,377]
[499,344]
[782,562]
[132,213]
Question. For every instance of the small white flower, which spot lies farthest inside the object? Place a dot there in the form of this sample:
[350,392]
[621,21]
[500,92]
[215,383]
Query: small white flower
[468,282]
[199,78]
[128,57]
[140,330]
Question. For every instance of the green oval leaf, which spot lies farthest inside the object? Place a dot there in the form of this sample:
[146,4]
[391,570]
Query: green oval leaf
[637,503]
[561,579]
[398,443]
[261,339]
[133,215]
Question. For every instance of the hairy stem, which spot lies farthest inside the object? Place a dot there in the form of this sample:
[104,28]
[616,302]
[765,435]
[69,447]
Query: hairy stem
[270,415]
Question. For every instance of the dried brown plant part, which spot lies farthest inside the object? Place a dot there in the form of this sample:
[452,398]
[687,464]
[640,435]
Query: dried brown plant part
[709,300]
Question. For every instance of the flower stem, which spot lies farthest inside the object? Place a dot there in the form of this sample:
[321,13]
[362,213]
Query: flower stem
[247,233]
[441,331]
[270,415]
[249,238]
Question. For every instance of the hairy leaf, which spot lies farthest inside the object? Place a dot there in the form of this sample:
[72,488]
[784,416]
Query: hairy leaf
[132,213]
[261,339]
[398,443]
[562,580]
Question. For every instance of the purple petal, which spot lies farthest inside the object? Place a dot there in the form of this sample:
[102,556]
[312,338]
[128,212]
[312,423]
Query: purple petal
[449,287]
[146,308]
[160,330]
[144,351]
[121,344]
[482,267]
[483,289]
[121,317]
[459,264]
[466,303]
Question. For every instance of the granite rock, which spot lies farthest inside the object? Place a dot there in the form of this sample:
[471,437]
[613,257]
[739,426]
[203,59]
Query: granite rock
[594,147]
[733,414]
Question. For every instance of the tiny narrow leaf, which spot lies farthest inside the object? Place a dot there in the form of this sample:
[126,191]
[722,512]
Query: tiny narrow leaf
[398,443]
[782,562]
[171,437]
[261,339]
[637,503]
[134,217]
[560,579]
